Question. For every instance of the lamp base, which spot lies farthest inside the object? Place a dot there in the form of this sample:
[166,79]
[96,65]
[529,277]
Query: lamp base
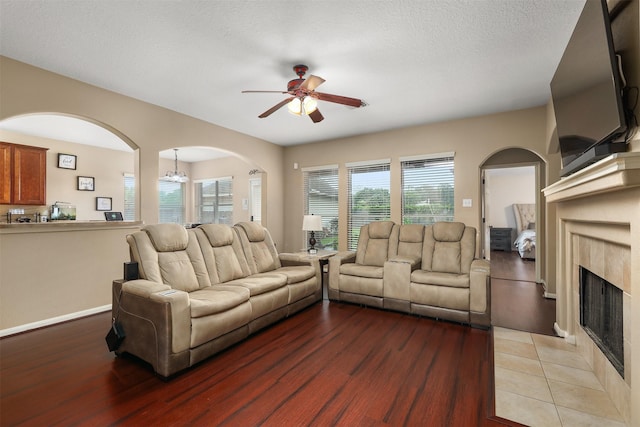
[312,243]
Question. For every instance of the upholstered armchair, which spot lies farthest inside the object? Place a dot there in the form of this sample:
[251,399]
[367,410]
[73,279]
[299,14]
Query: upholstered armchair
[450,283]
[358,276]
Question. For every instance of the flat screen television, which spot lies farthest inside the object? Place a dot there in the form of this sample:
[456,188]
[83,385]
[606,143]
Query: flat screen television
[586,90]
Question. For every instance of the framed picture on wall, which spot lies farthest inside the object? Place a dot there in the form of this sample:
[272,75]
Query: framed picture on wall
[103,203]
[86,183]
[67,161]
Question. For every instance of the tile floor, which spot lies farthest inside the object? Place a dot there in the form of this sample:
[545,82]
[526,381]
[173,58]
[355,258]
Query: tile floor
[541,380]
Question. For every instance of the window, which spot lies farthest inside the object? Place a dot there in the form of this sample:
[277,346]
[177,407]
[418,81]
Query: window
[214,201]
[171,202]
[129,213]
[321,198]
[369,198]
[427,189]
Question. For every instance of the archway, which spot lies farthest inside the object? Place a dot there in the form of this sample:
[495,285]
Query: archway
[514,282]
[219,186]
[101,153]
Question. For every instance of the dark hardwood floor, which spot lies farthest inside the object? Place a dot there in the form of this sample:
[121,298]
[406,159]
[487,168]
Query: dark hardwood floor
[517,301]
[332,364]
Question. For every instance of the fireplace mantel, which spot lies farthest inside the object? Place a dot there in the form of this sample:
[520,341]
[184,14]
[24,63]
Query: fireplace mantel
[617,172]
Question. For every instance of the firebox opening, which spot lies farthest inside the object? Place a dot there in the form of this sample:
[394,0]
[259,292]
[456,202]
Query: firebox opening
[601,316]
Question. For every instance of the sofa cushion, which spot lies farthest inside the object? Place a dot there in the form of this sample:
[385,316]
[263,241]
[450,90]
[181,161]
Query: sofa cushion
[380,229]
[255,231]
[446,257]
[448,231]
[216,299]
[167,237]
[218,234]
[177,271]
[410,238]
[351,269]
[260,283]
[258,247]
[440,279]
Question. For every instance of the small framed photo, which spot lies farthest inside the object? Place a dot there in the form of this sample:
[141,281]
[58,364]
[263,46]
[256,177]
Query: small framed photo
[103,203]
[86,183]
[67,161]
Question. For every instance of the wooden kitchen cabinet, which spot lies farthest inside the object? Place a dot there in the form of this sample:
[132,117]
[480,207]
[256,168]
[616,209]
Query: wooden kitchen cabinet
[24,174]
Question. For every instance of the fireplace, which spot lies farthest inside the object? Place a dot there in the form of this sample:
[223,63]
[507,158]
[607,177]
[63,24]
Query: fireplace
[601,316]
[597,228]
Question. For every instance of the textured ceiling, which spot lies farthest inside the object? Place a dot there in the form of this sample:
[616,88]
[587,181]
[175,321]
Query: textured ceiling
[413,62]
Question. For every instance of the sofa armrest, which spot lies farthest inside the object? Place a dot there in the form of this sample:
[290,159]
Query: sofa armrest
[335,262]
[397,277]
[292,259]
[414,262]
[144,288]
[287,259]
[480,292]
[167,309]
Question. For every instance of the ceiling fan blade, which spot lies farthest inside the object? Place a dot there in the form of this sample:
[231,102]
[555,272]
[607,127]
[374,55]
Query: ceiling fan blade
[352,102]
[312,82]
[275,107]
[316,116]
[264,91]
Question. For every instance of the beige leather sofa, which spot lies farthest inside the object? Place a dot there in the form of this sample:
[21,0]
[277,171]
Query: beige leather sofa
[204,289]
[425,270]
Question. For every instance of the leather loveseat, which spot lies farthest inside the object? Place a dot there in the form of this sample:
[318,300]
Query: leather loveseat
[425,270]
[201,290]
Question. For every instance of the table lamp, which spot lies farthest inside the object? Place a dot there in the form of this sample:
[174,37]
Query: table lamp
[312,223]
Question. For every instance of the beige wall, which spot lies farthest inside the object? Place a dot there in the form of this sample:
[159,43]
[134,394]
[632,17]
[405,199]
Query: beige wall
[473,141]
[503,188]
[53,271]
[26,89]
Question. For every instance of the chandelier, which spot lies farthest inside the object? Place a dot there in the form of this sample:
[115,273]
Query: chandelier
[175,175]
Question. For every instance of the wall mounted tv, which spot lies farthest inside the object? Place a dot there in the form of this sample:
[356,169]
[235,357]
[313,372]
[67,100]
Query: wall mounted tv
[587,93]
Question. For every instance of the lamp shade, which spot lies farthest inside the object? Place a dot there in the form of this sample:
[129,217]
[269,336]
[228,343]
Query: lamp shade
[312,223]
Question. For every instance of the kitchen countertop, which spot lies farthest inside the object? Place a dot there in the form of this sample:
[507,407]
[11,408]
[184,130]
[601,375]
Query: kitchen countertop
[61,226]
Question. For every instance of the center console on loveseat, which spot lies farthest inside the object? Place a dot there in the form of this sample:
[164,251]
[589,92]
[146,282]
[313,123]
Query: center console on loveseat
[425,270]
[204,289]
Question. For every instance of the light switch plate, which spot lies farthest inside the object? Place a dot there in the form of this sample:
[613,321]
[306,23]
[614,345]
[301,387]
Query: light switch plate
[466,203]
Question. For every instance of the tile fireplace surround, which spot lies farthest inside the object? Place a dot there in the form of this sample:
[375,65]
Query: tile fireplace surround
[598,227]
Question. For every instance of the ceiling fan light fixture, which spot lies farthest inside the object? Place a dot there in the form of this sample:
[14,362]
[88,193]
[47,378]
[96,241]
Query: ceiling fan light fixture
[302,106]
[295,106]
[175,175]
[310,105]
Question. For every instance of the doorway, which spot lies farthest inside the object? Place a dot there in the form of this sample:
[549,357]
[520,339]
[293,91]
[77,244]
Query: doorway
[512,180]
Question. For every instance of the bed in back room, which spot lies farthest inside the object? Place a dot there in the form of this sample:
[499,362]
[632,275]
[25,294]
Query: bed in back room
[525,243]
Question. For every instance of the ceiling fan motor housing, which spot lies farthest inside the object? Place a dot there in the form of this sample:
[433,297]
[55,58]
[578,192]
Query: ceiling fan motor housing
[300,70]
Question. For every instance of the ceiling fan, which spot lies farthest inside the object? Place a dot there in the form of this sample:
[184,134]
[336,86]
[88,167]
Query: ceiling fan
[303,99]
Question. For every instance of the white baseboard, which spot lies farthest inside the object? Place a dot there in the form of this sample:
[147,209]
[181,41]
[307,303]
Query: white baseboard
[571,339]
[549,295]
[53,320]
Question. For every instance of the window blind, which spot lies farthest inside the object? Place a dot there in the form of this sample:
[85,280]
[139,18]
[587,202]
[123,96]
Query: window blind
[129,212]
[171,195]
[214,201]
[427,190]
[321,198]
[369,197]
